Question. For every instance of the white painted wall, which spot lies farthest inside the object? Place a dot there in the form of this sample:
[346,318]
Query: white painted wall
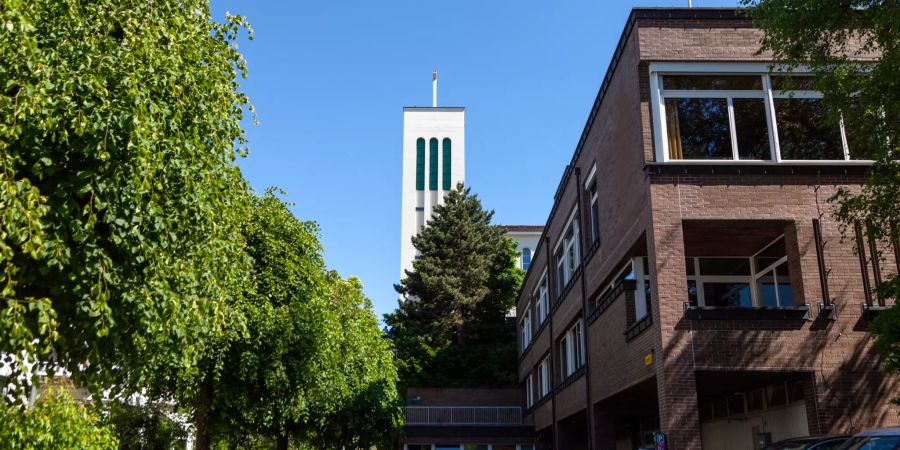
[737,434]
[427,123]
[524,239]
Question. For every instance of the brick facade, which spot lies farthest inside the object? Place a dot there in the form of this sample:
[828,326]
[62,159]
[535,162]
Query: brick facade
[655,209]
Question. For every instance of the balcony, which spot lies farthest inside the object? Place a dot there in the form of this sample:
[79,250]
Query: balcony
[463,415]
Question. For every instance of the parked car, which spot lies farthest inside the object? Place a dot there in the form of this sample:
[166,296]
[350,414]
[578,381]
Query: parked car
[809,443]
[880,439]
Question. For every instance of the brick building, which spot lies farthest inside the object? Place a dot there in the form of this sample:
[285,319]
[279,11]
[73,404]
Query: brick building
[690,278]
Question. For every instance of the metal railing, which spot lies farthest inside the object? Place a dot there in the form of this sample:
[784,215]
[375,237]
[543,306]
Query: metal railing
[463,415]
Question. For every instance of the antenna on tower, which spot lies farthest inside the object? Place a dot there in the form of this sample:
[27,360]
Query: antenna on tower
[434,89]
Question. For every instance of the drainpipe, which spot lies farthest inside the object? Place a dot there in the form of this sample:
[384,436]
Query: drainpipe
[551,289]
[584,309]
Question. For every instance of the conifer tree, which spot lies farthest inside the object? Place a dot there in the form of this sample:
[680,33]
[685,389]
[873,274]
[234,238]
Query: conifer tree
[451,329]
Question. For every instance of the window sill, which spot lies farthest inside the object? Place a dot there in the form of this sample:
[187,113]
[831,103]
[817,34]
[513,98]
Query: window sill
[607,300]
[727,167]
[799,312]
[638,327]
[571,378]
[869,312]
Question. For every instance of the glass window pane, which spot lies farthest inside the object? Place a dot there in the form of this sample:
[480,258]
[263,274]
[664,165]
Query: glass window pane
[713,82]
[698,128]
[727,294]
[770,254]
[752,128]
[862,144]
[804,130]
[793,82]
[475,447]
[725,266]
[765,285]
[689,265]
[692,292]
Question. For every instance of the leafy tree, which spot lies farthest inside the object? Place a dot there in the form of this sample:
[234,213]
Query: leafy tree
[308,353]
[853,47]
[119,197]
[451,330]
[147,426]
[54,421]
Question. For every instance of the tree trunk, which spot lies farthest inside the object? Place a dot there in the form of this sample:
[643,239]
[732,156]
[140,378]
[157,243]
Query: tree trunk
[201,421]
[282,443]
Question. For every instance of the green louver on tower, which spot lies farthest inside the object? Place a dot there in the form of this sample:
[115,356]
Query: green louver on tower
[446,178]
[420,164]
[433,165]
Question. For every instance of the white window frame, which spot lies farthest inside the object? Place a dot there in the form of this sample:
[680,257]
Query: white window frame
[526,326]
[542,300]
[752,279]
[658,96]
[544,377]
[640,295]
[572,349]
[568,245]
[529,391]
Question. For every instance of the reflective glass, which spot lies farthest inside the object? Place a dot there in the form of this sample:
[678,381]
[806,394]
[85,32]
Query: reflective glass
[712,82]
[698,128]
[751,128]
[804,130]
[726,294]
[724,266]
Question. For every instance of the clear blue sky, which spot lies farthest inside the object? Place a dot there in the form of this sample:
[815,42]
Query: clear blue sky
[329,80]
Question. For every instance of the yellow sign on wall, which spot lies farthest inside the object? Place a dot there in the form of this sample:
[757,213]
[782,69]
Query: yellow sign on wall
[648,358]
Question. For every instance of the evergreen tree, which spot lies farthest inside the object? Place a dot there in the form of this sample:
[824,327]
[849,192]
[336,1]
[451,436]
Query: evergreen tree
[451,329]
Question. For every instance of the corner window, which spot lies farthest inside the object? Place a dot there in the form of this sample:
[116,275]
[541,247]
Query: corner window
[762,279]
[568,253]
[715,117]
[745,116]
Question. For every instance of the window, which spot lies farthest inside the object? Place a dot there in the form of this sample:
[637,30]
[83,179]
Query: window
[433,165]
[446,164]
[568,253]
[544,378]
[475,447]
[542,300]
[571,350]
[594,203]
[715,117]
[759,280]
[744,116]
[529,391]
[525,327]
[420,164]
[804,131]
[526,258]
[640,273]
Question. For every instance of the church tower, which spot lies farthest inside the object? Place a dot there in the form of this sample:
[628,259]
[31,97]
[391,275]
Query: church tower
[434,150]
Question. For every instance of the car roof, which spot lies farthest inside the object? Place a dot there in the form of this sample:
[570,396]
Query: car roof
[894,431]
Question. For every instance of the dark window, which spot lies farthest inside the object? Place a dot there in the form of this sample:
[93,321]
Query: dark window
[805,130]
[726,294]
[420,164]
[712,82]
[698,128]
[447,165]
[433,165]
[526,258]
[751,127]
[724,266]
[793,83]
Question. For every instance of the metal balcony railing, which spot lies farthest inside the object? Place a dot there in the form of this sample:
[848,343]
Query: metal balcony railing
[463,415]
